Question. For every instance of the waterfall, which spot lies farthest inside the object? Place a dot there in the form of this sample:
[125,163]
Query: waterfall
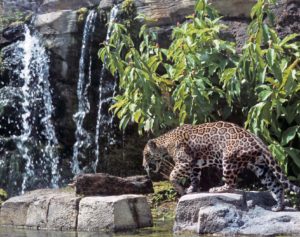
[37,131]
[83,140]
[109,90]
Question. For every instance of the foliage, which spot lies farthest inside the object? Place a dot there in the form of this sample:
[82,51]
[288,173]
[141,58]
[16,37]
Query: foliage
[161,87]
[11,17]
[163,200]
[270,67]
[201,77]
[3,196]
[81,13]
[163,192]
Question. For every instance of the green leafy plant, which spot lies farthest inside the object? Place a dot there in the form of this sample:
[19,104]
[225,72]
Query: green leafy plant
[11,18]
[166,87]
[270,67]
[201,77]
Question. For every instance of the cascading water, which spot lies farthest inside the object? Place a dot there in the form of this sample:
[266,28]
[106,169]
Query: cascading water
[83,140]
[37,143]
[109,91]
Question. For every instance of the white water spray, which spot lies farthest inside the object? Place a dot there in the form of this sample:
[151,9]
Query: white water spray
[36,98]
[84,81]
[113,16]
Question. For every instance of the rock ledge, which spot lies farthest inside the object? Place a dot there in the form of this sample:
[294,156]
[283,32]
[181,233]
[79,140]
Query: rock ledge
[61,210]
[244,213]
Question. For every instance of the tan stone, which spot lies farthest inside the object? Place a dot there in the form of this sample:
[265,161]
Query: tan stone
[63,212]
[114,213]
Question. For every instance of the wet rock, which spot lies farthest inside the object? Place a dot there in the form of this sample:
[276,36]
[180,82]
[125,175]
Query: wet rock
[14,32]
[114,213]
[104,184]
[245,213]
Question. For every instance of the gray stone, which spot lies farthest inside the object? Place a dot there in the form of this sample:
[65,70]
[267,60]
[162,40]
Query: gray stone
[259,221]
[187,211]
[223,217]
[169,12]
[59,22]
[14,210]
[233,8]
[227,213]
[114,213]
[55,5]
[37,212]
[63,212]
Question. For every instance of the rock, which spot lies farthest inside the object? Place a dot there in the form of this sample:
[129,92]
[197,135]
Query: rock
[63,210]
[243,213]
[46,5]
[14,32]
[104,184]
[55,5]
[114,213]
[37,212]
[187,211]
[233,8]
[259,221]
[169,12]
[14,210]
[55,22]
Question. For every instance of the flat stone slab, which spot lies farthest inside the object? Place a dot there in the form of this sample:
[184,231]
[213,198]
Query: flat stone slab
[62,210]
[105,184]
[244,213]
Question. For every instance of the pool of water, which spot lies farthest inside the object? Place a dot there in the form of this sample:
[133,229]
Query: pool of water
[160,229]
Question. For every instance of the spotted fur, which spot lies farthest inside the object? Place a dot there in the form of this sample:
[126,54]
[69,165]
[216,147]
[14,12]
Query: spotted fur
[220,144]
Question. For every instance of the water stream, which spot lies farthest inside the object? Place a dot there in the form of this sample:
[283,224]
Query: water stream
[105,100]
[83,139]
[36,142]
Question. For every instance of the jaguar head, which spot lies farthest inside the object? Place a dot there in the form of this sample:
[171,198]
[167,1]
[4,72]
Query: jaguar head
[152,157]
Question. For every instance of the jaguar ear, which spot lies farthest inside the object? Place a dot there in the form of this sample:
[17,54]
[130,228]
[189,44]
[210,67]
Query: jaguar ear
[152,145]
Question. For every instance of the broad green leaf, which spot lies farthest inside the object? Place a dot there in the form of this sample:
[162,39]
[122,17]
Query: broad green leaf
[289,134]
[288,72]
[271,57]
[294,154]
[279,152]
[287,39]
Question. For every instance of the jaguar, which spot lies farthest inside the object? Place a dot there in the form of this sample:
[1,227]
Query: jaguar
[224,145]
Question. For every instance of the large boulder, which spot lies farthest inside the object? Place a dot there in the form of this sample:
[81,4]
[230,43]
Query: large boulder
[245,213]
[104,184]
[56,5]
[168,12]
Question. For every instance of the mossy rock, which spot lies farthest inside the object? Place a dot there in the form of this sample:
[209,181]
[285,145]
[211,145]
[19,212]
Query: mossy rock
[81,12]
[3,196]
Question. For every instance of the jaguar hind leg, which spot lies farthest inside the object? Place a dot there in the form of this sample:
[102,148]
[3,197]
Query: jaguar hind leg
[268,179]
[230,173]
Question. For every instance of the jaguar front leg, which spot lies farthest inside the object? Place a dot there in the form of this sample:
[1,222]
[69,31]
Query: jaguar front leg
[195,180]
[178,174]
